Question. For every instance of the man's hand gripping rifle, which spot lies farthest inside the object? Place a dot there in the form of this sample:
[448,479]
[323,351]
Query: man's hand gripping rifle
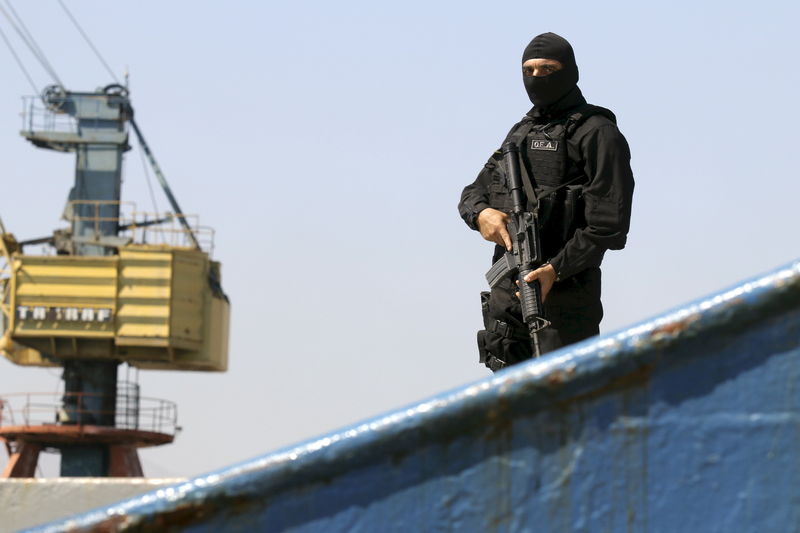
[526,251]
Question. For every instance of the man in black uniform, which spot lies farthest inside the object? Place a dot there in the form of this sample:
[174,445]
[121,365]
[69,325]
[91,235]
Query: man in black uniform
[578,162]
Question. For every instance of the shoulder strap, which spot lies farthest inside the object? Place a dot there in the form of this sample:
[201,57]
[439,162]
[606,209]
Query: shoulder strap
[519,131]
[585,111]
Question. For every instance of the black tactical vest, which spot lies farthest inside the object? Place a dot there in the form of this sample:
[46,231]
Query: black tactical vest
[558,185]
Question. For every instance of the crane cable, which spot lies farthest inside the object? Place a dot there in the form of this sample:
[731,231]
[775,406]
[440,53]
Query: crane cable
[149,181]
[164,185]
[19,61]
[30,42]
[88,41]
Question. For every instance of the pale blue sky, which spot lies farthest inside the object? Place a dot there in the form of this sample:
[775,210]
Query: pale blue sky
[328,142]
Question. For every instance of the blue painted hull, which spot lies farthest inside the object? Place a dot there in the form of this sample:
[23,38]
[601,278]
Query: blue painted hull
[687,422]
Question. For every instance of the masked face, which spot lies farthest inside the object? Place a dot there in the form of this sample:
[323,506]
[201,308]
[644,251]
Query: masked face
[549,69]
[545,85]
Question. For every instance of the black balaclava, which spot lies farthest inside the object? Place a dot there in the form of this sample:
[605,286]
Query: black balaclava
[546,90]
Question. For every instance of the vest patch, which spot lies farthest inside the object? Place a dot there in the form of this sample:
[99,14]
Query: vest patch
[543,144]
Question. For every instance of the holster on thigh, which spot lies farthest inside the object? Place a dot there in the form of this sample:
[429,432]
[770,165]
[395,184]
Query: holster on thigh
[500,344]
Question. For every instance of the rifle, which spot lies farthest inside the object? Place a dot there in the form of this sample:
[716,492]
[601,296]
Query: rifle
[526,254]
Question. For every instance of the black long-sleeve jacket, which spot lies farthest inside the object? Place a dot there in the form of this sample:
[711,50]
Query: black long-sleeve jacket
[597,150]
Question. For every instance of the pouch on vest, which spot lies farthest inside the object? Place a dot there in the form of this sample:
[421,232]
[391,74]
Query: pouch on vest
[574,211]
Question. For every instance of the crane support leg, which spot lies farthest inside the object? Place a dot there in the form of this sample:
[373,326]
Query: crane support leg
[23,460]
[124,461]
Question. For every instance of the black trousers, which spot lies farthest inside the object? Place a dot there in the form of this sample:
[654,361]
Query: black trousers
[573,307]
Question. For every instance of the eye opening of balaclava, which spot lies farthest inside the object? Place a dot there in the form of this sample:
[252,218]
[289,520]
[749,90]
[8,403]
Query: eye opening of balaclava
[546,90]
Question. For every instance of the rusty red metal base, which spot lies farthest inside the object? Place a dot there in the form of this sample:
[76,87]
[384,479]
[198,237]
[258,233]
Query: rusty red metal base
[25,443]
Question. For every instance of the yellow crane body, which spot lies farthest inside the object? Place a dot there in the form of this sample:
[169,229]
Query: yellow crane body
[152,306]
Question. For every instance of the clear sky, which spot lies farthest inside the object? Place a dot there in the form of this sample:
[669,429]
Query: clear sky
[328,143]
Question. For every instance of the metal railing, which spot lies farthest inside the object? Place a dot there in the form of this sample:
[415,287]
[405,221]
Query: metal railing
[141,227]
[37,117]
[130,410]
